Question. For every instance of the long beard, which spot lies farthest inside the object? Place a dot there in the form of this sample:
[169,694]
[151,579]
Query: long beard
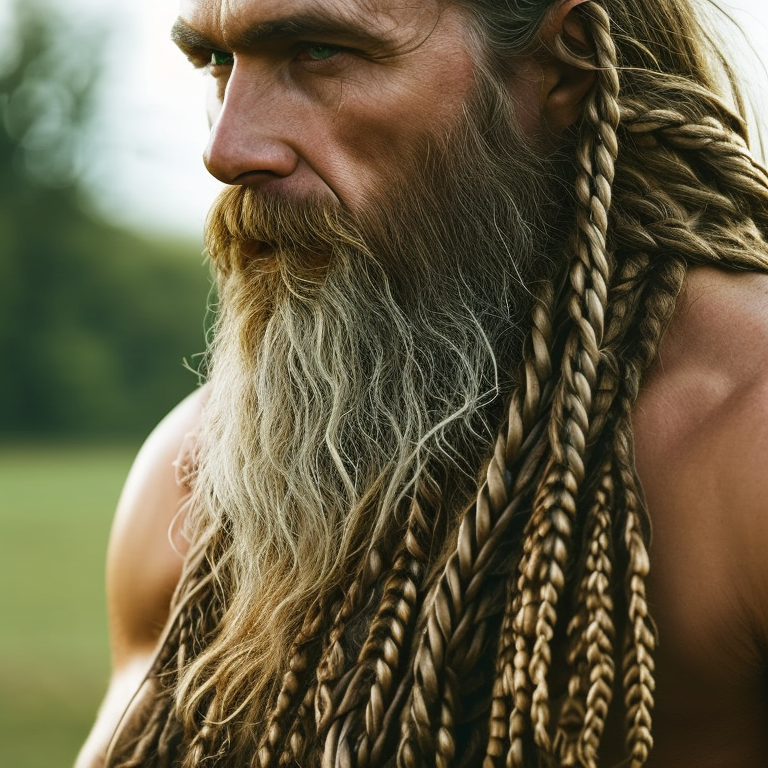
[355,353]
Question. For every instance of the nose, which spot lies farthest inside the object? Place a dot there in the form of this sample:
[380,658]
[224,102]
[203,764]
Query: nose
[246,144]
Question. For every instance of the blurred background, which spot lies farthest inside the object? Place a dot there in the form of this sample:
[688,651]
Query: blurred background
[103,295]
[103,308]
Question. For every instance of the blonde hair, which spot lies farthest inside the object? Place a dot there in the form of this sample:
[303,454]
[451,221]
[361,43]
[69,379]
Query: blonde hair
[395,663]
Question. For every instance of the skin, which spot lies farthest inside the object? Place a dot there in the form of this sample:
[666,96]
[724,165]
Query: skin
[291,119]
[701,431]
[327,111]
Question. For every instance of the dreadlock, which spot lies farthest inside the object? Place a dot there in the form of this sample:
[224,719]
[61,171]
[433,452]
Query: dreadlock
[442,652]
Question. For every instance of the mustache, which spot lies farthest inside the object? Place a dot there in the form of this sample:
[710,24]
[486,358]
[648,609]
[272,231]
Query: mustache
[246,225]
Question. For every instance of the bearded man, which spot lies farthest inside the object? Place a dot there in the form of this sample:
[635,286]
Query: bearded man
[492,302]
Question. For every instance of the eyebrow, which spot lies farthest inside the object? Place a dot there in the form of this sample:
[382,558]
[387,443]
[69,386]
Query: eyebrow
[312,23]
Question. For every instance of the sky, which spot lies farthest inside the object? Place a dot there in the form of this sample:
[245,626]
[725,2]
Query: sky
[144,159]
[148,170]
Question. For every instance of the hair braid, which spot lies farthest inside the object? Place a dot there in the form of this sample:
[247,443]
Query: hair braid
[623,302]
[155,731]
[712,206]
[718,148]
[333,663]
[659,300]
[155,735]
[289,744]
[291,686]
[590,688]
[202,596]
[639,639]
[196,612]
[303,727]
[524,411]
[639,636]
[590,631]
[542,569]
[301,731]
[390,629]
[358,732]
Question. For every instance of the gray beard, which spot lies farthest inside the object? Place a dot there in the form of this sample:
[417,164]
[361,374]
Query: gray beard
[352,354]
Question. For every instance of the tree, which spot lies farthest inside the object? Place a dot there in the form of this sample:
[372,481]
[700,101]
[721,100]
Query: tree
[95,321]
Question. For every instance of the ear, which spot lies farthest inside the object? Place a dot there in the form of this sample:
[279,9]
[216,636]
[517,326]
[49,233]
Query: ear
[567,69]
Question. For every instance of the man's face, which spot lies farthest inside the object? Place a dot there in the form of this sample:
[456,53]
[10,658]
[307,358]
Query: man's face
[387,224]
[327,98]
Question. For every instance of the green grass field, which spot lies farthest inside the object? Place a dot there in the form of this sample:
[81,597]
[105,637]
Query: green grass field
[56,506]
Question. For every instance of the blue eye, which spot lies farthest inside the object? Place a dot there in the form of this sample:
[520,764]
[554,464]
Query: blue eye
[221,59]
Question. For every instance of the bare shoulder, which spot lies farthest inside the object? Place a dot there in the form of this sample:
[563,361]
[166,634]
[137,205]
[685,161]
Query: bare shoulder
[710,383]
[712,372]
[144,564]
[701,435]
[727,313]
[146,549]
[701,430]
[722,319]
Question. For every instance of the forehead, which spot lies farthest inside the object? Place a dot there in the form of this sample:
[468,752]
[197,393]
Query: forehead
[231,21]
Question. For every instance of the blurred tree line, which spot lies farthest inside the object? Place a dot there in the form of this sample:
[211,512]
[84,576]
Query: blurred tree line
[95,321]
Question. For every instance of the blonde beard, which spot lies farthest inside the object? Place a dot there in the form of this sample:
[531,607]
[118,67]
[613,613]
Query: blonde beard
[344,368]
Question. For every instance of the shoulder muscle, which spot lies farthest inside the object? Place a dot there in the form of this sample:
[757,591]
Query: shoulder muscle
[144,559]
[702,450]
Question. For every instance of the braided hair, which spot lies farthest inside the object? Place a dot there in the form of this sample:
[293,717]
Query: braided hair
[441,647]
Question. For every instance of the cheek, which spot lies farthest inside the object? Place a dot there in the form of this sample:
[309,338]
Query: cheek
[527,93]
[379,133]
[528,114]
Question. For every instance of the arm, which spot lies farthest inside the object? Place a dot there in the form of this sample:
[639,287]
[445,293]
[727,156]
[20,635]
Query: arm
[144,562]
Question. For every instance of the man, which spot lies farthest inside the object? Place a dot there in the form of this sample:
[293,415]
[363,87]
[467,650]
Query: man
[492,282]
